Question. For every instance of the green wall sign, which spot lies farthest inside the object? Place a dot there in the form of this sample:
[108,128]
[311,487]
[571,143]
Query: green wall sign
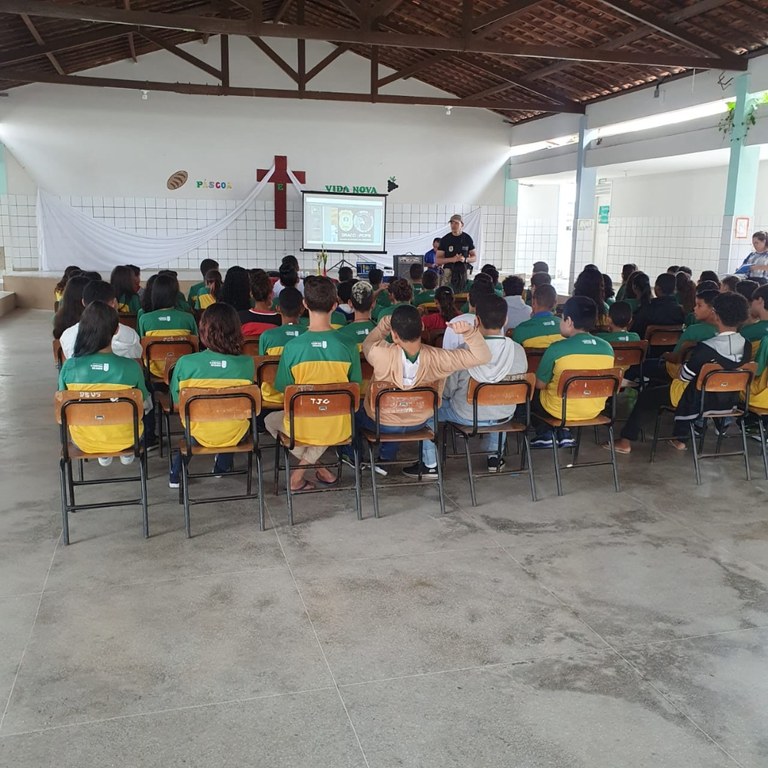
[603,214]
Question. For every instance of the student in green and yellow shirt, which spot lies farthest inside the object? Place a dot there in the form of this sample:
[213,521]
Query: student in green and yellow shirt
[429,285]
[94,368]
[361,300]
[221,365]
[578,350]
[400,293]
[124,285]
[619,318]
[164,320]
[754,332]
[543,328]
[206,265]
[704,328]
[318,356]
[212,291]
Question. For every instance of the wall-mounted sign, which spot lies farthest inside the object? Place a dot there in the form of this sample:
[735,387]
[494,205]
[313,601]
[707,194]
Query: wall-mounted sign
[177,180]
[603,214]
[741,227]
[353,190]
[205,184]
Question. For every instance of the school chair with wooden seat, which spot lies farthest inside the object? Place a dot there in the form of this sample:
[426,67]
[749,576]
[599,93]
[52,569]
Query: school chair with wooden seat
[628,354]
[714,380]
[412,407]
[433,338]
[318,401]
[515,392]
[129,319]
[58,354]
[115,408]
[663,336]
[251,345]
[265,373]
[208,406]
[587,384]
[534,355]
[760,412]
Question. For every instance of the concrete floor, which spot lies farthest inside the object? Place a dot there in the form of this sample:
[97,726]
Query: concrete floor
[595,630]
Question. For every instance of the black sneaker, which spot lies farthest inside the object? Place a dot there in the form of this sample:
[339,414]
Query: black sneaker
[427,473]
[495,464]
[151,445]
[565,439]
[544,440]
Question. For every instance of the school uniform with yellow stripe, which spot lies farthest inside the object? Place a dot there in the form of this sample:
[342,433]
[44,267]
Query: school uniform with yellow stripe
[103,372]
[273,342]
[539,332]
[162,323]
[580,352]
[128,305]
[204,300]
[318,357]
[213,370]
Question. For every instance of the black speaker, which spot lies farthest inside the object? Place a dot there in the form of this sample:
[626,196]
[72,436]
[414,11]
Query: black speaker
[402,264]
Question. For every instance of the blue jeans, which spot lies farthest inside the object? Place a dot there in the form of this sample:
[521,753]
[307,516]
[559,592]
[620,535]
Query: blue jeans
[387,451]
[490,442]
[223,463]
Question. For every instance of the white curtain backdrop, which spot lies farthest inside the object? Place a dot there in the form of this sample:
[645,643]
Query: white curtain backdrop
[66,235]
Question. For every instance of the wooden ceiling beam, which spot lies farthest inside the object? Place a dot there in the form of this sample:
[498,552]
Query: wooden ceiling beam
[254,6]
[131,41]
[669,29]
[493,20]
[15,76]
[78,40]
[281,11]
[180,52]
[39,40]
[198,24]
[329,59]
[276,58]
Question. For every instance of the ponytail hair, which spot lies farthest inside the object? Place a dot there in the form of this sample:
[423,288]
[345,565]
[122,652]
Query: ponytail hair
[444,300]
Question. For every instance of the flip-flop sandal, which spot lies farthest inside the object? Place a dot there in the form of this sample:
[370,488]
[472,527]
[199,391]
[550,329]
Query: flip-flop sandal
[326,482]
[305,486]
[678,445]
[622,451]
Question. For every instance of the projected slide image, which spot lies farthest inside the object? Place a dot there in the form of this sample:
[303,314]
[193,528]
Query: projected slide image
[354,223]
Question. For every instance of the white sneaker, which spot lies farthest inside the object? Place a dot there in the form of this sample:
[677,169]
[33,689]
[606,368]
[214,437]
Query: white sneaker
[127,460]
[105,461]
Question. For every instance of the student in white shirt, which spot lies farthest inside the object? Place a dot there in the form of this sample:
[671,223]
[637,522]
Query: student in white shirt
[481,286]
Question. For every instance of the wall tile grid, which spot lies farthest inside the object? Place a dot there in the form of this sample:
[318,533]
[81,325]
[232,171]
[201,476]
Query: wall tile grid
[655,243]
[536,240]
[251,241]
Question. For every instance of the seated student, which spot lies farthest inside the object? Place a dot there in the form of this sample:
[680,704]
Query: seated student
[755,329]
[93,367]
[507,359]
[125,343]
[318,356]
[164,319]
[430,256]
[361,298]
[626,271]
[517,310]
[58,291]
[429,283]
[415,275]
[400,293]
[206,265]
[136,271]
[344,313]
[493,273]
[709,274]
[71,305]
[578,350]
[608,291]
[543,328]
[213,290]
[746,288]
[288,277]
[181,303]
[705,285]
[537,279]
[236,290]
[261,317]
[727,349]
[482,286]
[221,365]
[291,305]
[619,318]
[407,363]
[346,274]
[128,302]
[663,310]
[437,321]
[540,266]
[146,299]
[376,279]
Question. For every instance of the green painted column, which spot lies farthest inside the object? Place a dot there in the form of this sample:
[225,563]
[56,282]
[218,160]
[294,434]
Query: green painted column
[743,167]
[511,187]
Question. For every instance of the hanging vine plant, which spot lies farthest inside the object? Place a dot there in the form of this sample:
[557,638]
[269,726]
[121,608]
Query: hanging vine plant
[728,120]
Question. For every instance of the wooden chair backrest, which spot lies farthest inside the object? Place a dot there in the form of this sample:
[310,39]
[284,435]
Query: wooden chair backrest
[130,320]
[266,368]
[429,308]
[322,400]
[510,333]
[714,378]
[58,353]
[366,368]
[411,406]
[663,335]
[585,384]
[534,355]
[220,404]
[167,349]
[433,338]
[251,345]
[508,392]
[459,300]
[106,408]
[629,353]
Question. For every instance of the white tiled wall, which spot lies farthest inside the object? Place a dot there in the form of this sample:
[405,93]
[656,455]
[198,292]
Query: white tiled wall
[251,241]
[536,241]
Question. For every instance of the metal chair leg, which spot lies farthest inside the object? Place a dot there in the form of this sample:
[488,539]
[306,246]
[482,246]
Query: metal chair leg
[260,486]
[694,447]
[556,455]
[614,463]
[144,500]
[746,450]
[526,450]
[577,447]
[288,491]
[277,464]
[374,487]
[763,450]
[185,490]
[468,454]
[656,429]
[440,477]
[64,501]
[720,435]
[249,476]
[358,480]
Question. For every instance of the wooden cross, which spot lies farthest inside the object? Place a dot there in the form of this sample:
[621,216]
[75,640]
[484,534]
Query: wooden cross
[280,178]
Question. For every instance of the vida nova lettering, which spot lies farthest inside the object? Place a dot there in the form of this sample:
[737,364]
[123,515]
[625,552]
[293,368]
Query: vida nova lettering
[354,190]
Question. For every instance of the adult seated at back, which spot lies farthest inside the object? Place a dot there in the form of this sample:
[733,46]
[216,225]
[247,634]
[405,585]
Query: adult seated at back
[578,350]
[507,359]
[517,310]
[125,343]
[662,310]
[481,286]
[543,328]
